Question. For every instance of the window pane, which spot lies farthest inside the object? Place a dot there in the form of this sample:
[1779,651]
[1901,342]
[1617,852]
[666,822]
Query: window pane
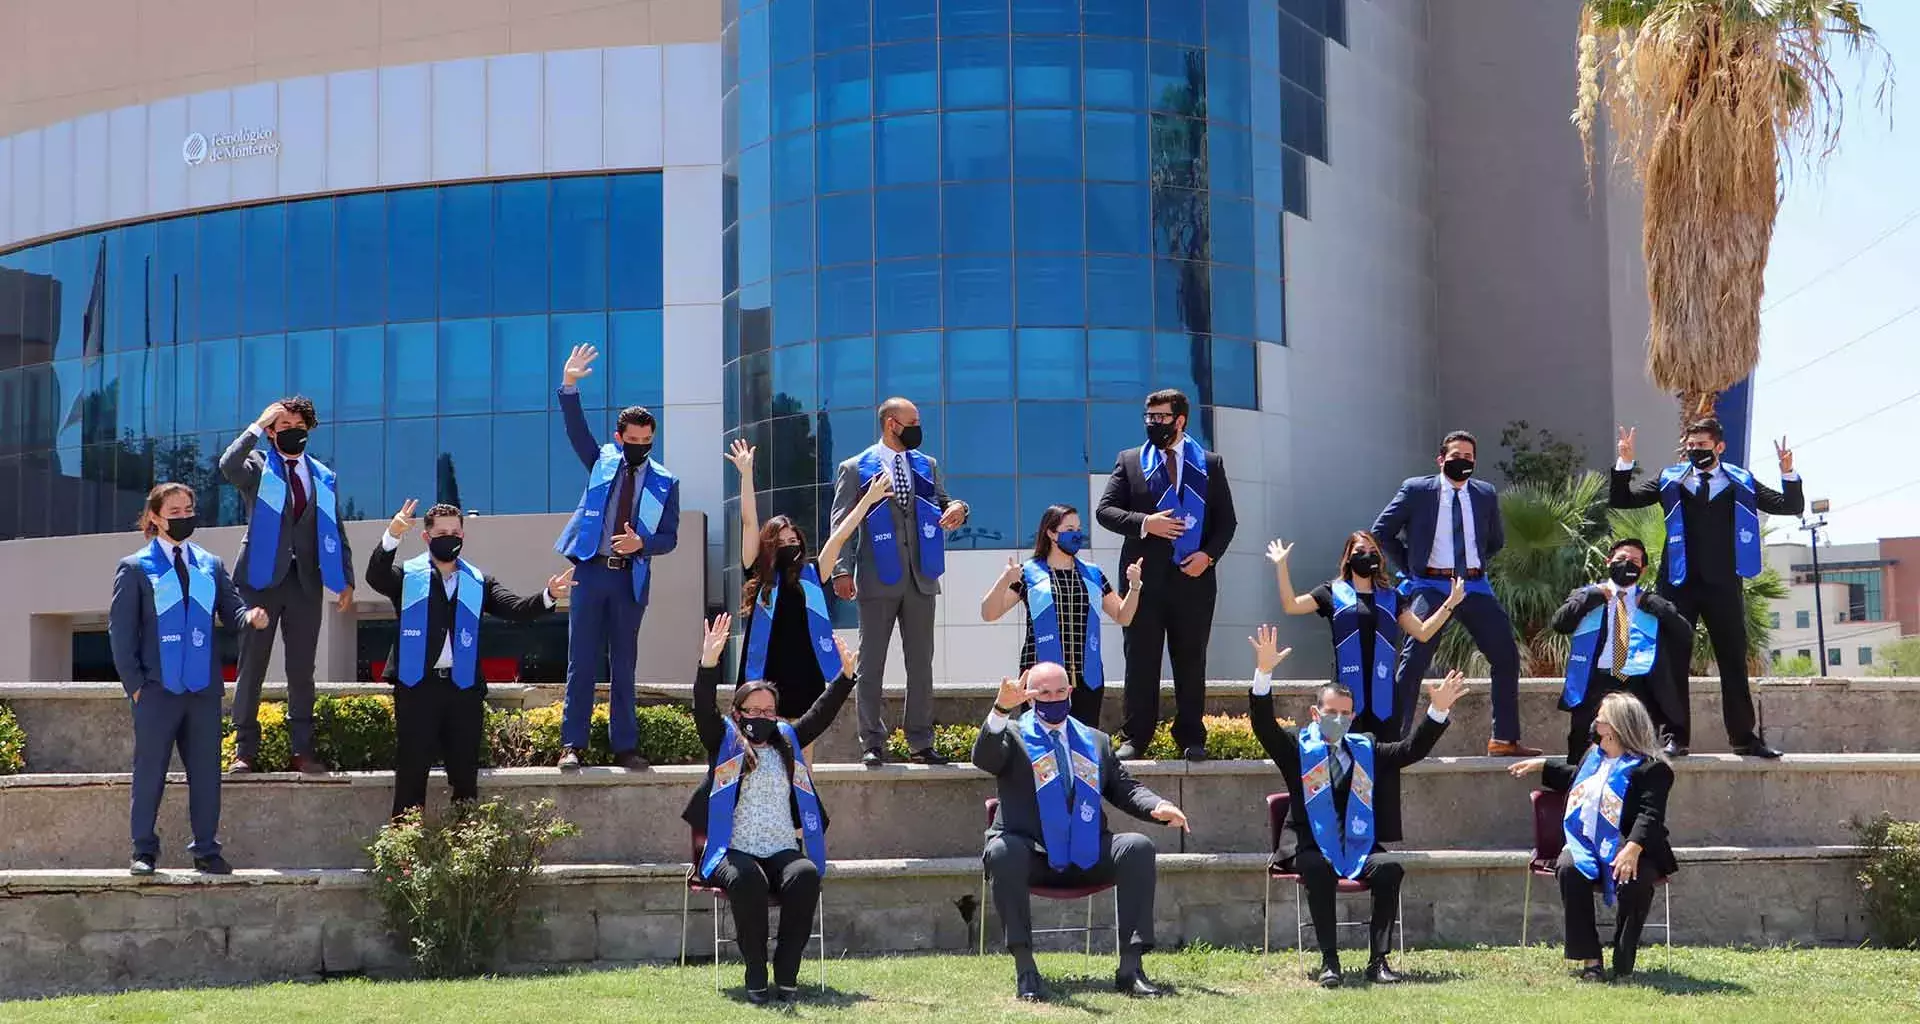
[907,295]
[1176,80]
[793,160]
[790,29]
[463,474]
[792,464]
[839,23]
[846,300]
[1046,144]
[413,253]
[1116,17]
[1046,72]
[844,90]
[987,428]
[413,461]
[846,228]
[1179,223]
[979,291]
[1175,20]
[1229,91]
[904,19]
[568,330]
[466,365]
[792,97]
[905,77]
[129,255]
[1120,365]
[909,366]
[360,456]
[634,242]
[1051,291]
[519,463]
[846,374]
[793,309]
[520,353]
[978,218]
[1118,219]
[1115,74]
[754,255]
[1047,217]
[1178,360]
[176,246]
[845,157]
[1236,374]
[1038,492]
[310,369]
[412,371]
[466,250]
[579,243]
[1233,301]
[219,385]
[1053,364]
[909,150]
[1229,161]
[1116,146]
[904,217]
[973,73]
[975,145]
[263,297]
[566,478]
[795,389]
[792,243]
[1061,16]
[979,365]
[360,361]
[990,513]
[752,112]
[1053,437]
[973,17]
[1115,427]
[360,245]
[520,248]
[1227,25]
[638,358]
[263,371]
[216,298]
[310,263]
[1230,230]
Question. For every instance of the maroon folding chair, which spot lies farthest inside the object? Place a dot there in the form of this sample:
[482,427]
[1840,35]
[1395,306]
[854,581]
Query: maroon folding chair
[1549,838]
[719,896]
[1277,806]
[1051,892]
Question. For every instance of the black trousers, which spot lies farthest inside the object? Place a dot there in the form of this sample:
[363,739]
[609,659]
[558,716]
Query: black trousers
[1317,874]
[1175,616]
[294,612]
[1723,608]
[436,720]
[749,880]
[1127,862]
[1086,704]
[1631,901]
[1599,684]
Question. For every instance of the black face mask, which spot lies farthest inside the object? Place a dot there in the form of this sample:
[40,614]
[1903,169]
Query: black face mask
[445,548]
[1702,458]
[291,441]
[1364,563]
[785,558]
[1160,435]
[1457,470]
[636,454]
[179,528]
[759,730]
[910,437]
[1623,573]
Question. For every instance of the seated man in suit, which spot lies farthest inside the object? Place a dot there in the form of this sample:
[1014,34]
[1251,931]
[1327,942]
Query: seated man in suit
[1051,828]
[1329,833]
[1624,638]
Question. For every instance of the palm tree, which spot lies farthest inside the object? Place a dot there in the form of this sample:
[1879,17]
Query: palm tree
[1707,99]
[1758,593]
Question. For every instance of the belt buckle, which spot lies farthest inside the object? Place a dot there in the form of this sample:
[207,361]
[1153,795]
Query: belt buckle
[616,561]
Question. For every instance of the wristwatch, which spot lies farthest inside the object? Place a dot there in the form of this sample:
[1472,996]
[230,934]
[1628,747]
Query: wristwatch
[1004,711]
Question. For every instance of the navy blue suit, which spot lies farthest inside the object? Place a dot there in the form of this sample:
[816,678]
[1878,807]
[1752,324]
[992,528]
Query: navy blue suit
[1405,531]
[163,719]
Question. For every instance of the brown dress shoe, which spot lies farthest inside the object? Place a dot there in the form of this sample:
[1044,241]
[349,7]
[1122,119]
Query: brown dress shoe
[307,764]
[240,766]
[1511,748]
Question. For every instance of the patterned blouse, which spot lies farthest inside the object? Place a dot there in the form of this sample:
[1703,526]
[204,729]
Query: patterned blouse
[763,815]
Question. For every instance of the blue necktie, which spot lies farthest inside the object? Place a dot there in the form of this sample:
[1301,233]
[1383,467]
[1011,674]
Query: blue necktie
[1459,535]
[1066,763]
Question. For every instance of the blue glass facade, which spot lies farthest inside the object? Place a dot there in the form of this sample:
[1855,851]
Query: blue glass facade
[427,324]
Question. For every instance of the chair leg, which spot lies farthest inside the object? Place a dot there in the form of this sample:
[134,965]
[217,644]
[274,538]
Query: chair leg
[1526,906]
[1666,895]
[1266,916]
[1299,929]
[686,904]
[983,913]
[1089,928]
[1400,919]
[716,943]
[821,910]
[1116,921]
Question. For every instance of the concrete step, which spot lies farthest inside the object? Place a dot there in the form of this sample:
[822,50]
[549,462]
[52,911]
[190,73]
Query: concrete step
[84,727]
[79,821]
[89,931]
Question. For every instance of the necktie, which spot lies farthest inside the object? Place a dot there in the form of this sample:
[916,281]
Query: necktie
[1620,634]
[624,517]
[180,570]
[1459,535]
[297,489]
[1064,759]
[902,490]
[1340,768]
[1704,492]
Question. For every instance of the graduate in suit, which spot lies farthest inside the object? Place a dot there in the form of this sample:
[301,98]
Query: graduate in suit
[166,599]
[765,826]
[628,515]
[1624,638]
[1051,828]
[893,565]
[1713,543]
[1170,502]
[294,548]
[439,695]
[1616,830]
[1345,789]
[1440,529]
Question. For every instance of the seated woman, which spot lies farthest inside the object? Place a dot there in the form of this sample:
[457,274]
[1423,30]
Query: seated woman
[764,825]
[1616,827]
[1064,627]
[1367,619]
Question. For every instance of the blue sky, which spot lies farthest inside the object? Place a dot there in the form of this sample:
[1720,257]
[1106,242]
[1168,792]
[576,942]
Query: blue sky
[1843,288]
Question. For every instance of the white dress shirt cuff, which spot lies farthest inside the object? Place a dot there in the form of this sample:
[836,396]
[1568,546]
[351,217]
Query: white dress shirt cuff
[1436,714]
[1262,683]
[1787,478]
[254,429]
[996,721]
[547,597]
[1143,529]
[388,541]
[1622,466]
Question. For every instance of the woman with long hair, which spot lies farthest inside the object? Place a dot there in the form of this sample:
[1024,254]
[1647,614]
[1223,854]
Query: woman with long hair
[1065,597]
[1616,830]
[764,827]
[788,639]
[1367,619]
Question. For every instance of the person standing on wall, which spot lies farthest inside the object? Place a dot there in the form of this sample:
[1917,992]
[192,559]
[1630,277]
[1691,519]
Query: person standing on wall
[1623,638]
[893,566]
[628,515]
[1169,499]
[294,546]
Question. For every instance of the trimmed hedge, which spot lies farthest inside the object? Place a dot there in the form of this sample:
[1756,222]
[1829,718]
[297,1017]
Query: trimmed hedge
[13,743]
[1229,738]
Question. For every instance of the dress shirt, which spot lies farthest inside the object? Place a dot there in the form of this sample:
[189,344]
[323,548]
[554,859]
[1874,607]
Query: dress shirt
[1263,686]
[1176,464]
[1441,555]
[450,586]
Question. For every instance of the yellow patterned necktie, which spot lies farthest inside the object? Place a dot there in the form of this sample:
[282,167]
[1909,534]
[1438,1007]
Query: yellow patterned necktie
[1620,634]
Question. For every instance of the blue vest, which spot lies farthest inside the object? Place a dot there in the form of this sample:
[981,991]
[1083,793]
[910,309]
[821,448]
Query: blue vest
[1190,502]
[1044,617]
[926,517]
[1347,843]
[269,508]
[1593,854]
[580,539]
[185,619]
[1372,684]
[1068,795]
[415,588]
[1643,643]
[724,795]
[1746,521]
[819,626]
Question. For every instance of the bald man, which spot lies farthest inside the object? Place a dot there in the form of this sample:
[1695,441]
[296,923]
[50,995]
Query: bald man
[1051,826]
[893,564]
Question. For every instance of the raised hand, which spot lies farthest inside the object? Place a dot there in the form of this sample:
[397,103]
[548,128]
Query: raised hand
[741,455]
[269,414]
[849,658]
[559,583]
[403,519]
[579,364]
[1168,814]
[714,640]
[627,542]
[1522,769]
[1166,525]
[1278,552]
[1267,654]
[1011,572]
[1623,443]
[1448,690]
[1013,693]
[1133,574]
[954,514]
[257,618]
[1785,455]
[1457,594]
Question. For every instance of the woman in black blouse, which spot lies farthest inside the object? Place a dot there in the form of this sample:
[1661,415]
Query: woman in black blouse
[1068,580]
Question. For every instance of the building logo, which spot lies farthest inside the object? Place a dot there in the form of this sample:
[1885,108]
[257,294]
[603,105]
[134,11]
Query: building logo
[240,144]
[194,150]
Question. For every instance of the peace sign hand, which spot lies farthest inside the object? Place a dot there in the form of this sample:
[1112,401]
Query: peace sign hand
[402,520]
[1623,444]
[1785,455]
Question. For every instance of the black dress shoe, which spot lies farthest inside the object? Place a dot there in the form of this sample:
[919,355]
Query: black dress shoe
[758,996]
[1378,973]
[1196,753]
[928,756]
[141,865]
[569,760]
[873,757]
[1126,752]
[1757,748]
[307,764]
[1329,976]
[1595,973]
[1135,984]
[789,993]
[1029,988]
[214,865]
[631,761]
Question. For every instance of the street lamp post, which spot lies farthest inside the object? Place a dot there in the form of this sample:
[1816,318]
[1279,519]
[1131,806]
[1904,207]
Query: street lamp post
[1813,527]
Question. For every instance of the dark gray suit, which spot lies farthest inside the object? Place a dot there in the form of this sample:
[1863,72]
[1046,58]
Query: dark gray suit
[909,601]
[292,601]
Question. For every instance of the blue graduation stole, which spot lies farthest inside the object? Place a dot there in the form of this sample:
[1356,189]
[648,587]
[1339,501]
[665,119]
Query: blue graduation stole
[724,795]
[1045,618]
[926,516]
[1746,521]
[1372,685]
[819,627]
[1345,844]
[185,619]
[1070,814]
[1643,642]
[581,537]
[269,506]
[1593,854]
[415,587]
[1191,501]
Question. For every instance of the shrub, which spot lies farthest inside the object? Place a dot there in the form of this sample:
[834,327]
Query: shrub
[1229,738]
[276,750]
[521,739]
[451,888]
[355,733]
[954,742]
[1891,880]
[13,743]
[668,736]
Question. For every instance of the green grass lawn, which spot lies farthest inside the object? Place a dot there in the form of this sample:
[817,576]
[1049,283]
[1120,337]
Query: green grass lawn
[1485,986]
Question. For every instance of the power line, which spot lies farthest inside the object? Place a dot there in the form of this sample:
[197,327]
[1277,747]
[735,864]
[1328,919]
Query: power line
[1830,271]
[1909,311]
[1860,419]
[1876,496]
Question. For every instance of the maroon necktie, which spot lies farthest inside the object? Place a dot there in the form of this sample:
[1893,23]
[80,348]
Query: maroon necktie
[624,518]
[298,489]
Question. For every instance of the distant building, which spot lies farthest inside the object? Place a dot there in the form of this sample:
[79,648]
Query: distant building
[1869,595]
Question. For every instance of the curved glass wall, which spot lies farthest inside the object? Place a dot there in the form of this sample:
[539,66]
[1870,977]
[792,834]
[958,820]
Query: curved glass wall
[1022,214]
[427,324]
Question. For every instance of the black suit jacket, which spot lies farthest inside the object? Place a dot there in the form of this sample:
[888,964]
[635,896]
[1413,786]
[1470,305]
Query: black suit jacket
[1644,818]
[1002,755]
[709,723]
[1710,536]
[1674,653]
[1127,502]
[387,579]
[1388,758]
